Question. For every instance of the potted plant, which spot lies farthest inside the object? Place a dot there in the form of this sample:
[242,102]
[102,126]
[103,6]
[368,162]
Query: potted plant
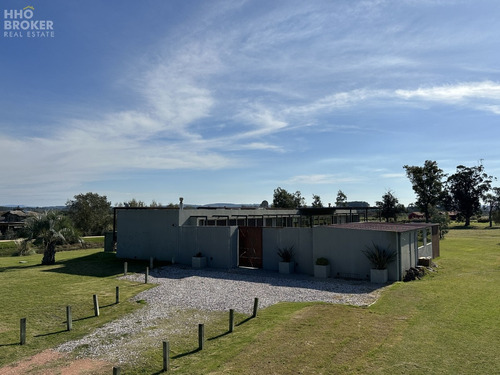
[287,265]
[380,258]
[322,268]
[198,260]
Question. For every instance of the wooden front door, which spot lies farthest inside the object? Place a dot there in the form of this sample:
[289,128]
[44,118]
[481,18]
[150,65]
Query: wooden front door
[250,249]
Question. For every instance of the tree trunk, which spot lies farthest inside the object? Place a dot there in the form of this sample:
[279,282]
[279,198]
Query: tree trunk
[467,221]
[49,255]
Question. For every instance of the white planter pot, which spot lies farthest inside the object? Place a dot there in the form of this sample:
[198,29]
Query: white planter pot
[199,262]
[378,276]
[322,271]
[286,267]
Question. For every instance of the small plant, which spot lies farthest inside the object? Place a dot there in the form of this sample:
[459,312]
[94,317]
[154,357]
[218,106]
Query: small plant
[23,247]
[322,262]
[286,254]
[198,255]
[379,257]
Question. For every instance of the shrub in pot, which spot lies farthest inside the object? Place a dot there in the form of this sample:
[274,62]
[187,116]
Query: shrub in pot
[198,260]
[286,265]
[379,258]
[322,268]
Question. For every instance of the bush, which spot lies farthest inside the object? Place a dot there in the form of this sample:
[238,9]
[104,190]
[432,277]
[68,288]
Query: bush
[322,262]
[379,257]
[286,254]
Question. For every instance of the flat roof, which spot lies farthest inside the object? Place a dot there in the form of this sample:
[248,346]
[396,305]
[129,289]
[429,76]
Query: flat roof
[384,227]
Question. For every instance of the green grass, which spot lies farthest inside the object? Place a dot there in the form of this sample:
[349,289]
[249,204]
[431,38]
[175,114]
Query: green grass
[7,248]
[41,293]
[447,323]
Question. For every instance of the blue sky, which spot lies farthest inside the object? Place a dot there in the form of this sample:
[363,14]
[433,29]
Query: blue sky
[223,101]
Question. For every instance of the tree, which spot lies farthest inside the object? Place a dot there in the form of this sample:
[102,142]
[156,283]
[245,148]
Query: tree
[427,183]
[284,199]
[90,213]
[441,218]
[493,202]
[317,201]
[155,204]
[49,229]
[390,207]
[341,200]
[466,189]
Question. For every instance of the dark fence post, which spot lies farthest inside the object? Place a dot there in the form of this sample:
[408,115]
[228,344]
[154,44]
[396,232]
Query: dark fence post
[116,371]
[166,354]
[151,263]
[125,268]
[23,331]
[231,320]
[117,295]
[69,319]
[146,275]
[96,305]
[201,336]
[255,307]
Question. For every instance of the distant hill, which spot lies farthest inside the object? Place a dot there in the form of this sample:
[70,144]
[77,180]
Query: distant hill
[9,207]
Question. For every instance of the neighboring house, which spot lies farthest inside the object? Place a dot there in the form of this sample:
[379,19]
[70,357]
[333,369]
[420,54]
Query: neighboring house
[14,220]
[416,216]
[232,238]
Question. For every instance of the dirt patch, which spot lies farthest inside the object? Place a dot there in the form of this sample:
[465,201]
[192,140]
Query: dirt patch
[52,362]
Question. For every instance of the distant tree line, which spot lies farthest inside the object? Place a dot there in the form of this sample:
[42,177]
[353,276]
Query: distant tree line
[436,193]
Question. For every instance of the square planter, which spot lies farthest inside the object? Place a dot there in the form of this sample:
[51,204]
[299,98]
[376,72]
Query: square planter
[322,271]
[286,267]
[199,262]
[379,276]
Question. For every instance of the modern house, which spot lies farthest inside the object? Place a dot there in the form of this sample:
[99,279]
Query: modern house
[230,238]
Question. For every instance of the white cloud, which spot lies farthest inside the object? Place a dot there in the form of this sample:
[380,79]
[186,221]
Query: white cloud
[454,93]
[315,179]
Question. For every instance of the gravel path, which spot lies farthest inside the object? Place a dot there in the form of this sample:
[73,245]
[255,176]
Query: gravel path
[205,291]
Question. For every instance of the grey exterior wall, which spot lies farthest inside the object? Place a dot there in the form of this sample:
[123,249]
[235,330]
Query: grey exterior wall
[342,247]
[143,234]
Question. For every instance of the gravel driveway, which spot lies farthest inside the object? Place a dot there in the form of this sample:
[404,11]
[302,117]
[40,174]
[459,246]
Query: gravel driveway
[204,291]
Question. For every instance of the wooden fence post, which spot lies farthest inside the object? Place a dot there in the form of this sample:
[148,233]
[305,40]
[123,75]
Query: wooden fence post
[255,307]
[231,320]
[146,275]
[201,336]
[23,331]
[96,305]
[69,319]
[166,355]
[116,370]
[125,268]
[117,294]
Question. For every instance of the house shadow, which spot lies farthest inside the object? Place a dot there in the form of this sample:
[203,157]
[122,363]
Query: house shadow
[99,264]
[298,281]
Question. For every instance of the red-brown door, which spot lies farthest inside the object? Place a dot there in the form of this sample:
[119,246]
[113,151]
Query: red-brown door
[250,249]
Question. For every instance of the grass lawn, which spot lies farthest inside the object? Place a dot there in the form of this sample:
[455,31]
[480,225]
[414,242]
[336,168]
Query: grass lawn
[41,293]
[447,323]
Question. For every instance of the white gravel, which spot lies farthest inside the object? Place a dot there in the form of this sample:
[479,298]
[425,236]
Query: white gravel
[207,290]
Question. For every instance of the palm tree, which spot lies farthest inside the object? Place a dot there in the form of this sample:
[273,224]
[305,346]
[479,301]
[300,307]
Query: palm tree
[49,229]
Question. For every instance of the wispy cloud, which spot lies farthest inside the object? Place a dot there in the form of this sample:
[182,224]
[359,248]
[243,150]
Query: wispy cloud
[317,179]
